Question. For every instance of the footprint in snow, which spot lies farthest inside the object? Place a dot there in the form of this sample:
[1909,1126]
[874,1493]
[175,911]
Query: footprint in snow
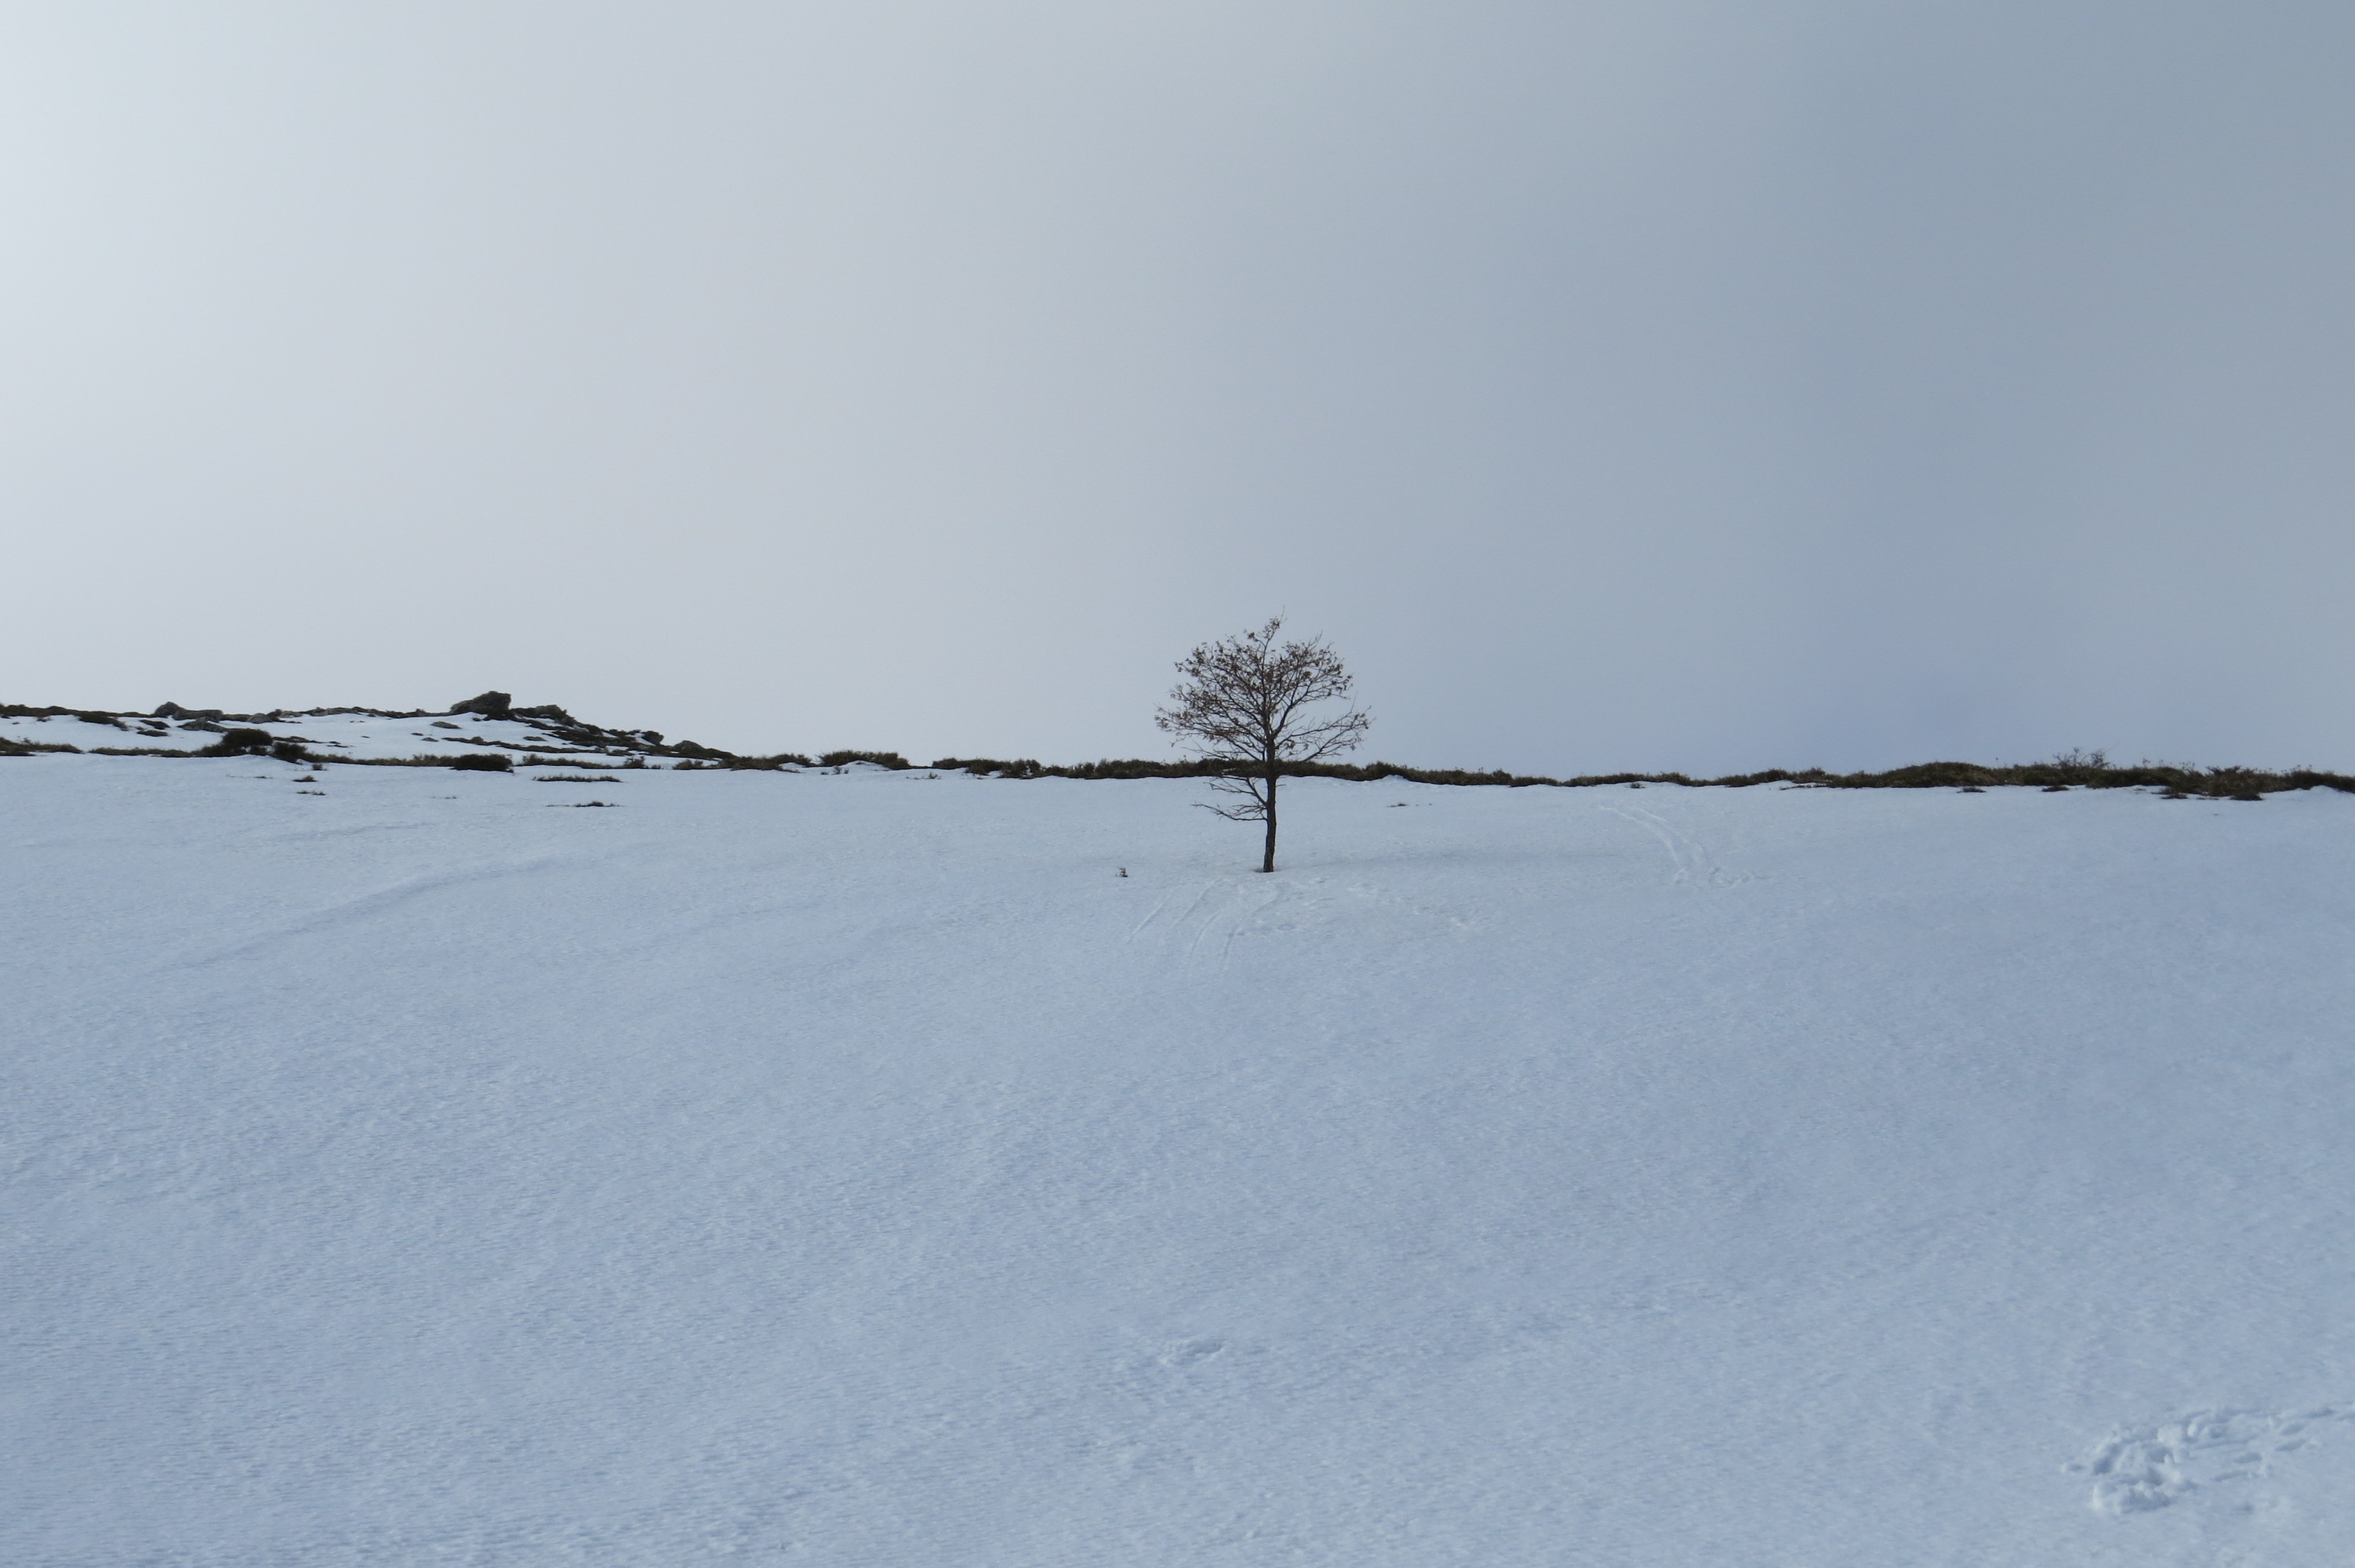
[2153,1466]
[1186,1352]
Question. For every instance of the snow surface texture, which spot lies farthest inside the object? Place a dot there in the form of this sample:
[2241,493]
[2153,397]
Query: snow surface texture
[856,1169]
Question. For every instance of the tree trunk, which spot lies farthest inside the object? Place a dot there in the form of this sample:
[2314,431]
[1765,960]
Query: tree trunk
[1268,863]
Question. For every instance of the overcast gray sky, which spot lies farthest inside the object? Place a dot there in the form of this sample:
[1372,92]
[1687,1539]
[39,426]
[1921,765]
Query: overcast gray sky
[1686,385]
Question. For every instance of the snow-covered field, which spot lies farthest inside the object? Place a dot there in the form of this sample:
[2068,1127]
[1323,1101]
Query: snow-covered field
[856,1170]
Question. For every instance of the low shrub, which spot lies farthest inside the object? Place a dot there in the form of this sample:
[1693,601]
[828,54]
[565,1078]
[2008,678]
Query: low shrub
[1021,767]
[483,762]
[240,743]
[890,759]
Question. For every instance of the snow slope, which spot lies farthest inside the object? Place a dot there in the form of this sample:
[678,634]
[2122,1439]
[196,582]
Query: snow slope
[855,1170]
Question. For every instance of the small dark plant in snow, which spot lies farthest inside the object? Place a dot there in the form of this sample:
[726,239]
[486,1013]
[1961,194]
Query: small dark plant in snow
[479,762]
[2076,767]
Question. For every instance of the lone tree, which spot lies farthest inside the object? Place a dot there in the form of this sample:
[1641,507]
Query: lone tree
[1241,704]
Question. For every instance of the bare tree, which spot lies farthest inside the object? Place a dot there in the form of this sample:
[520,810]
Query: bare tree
[1241,704]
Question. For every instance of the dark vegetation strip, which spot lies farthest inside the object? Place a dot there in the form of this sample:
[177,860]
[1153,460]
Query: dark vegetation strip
[2089,771]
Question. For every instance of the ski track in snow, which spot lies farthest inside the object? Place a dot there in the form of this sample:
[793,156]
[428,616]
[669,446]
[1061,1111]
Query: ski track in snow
[1224,908]
[1689,864]
[1223,912]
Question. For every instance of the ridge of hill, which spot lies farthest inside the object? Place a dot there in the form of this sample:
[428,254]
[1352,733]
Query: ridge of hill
[335,735]
[491,722]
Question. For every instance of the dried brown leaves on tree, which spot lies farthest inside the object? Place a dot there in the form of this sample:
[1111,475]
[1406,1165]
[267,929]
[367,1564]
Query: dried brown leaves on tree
[1244,702]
